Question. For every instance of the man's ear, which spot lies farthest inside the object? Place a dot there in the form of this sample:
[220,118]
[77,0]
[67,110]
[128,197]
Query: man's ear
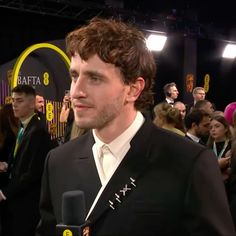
[194,125]
[135,89]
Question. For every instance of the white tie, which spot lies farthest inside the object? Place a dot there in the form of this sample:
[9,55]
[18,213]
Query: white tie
[107,160]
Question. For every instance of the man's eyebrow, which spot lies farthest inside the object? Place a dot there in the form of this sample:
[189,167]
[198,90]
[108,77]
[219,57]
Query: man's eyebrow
[73,72]
[94,73]
[17,99]
[88,73]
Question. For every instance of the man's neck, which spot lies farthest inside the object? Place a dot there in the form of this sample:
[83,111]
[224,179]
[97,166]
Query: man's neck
[111,131]
[25,118]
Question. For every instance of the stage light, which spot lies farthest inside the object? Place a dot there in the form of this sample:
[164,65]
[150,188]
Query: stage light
[156,42]
[230,51]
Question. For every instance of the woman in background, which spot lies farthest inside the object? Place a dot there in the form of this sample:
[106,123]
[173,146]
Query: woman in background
[220,142]
[8,129]
[67,116]
[169,118]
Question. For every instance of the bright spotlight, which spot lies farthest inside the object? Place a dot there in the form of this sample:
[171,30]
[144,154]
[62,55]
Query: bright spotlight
[156,42]
[230,51]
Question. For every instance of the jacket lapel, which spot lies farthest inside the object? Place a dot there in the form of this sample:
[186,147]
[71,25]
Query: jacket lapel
[85,165]
[126,176]
[27,131]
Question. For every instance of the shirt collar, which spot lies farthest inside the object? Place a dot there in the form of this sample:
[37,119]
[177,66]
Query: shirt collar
[169,101]
[26,122]
[118,144]
[193,137]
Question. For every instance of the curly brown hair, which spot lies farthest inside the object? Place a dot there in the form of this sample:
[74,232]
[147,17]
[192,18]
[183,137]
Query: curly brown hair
[119,44]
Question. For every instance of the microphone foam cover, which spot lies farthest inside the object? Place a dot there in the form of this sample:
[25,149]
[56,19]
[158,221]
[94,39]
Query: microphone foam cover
[73,208]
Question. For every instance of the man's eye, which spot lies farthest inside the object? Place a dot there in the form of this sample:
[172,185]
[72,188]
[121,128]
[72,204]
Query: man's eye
[74,78]
[95,79]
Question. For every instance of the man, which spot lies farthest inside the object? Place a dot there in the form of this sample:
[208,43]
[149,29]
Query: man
[39,103]
[198,95]
[20,196]
[138,179]
[171,93]
[197,124]
[39,109]
[181,107]
[205,105]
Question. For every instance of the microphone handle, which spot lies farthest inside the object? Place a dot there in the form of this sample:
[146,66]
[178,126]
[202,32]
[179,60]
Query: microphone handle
[73,230]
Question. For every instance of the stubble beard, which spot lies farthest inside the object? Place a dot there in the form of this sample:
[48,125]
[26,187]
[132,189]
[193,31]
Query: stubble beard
[101,119]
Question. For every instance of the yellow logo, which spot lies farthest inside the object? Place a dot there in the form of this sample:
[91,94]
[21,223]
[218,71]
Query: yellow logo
[8,99]
[45,78]
[49,111]
[67,232]
[30,49]
[206,82]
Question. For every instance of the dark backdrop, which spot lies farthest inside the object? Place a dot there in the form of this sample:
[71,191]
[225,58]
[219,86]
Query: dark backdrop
[20,30]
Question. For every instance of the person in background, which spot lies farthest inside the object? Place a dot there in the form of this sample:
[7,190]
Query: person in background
[41,113]
[171,93]
[198,94]
[232,177]
[137,179]
[67,116]
[20,196]
[40,109]
[66,109]
[220,142]
[228,112]
[169,118]
[9,125]
[230,116]
[39,103]
[205,105]
[218,112]
[181,107]
[197,123]
[233,126]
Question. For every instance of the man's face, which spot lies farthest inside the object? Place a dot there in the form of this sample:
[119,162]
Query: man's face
[98,93]
[199,95]
[174,92]
[182,109]
[39,103]
[203,129]
[23,105]
[208,108]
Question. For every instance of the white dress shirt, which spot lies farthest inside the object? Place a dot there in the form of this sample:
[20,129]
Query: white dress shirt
[193,137]
[118,148]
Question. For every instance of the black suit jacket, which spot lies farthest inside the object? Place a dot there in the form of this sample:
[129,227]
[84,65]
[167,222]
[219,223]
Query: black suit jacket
[178,188]
[5,152]
[23,188]
[200,141]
